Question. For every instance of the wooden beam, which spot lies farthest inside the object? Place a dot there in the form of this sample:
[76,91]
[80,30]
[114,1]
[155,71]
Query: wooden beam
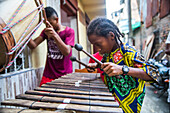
[94,8]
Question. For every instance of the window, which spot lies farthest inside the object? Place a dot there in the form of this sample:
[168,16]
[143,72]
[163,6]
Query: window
[23,61]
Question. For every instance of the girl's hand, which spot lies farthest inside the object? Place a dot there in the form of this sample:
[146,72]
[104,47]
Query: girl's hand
[111,69]
[91,65]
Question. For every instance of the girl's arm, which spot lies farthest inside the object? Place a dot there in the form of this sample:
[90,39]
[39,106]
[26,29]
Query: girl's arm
[113,69]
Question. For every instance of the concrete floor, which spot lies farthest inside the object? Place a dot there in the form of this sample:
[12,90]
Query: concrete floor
[153,104]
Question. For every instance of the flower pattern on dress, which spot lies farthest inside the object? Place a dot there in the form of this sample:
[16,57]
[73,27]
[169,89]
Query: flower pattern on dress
[117,56]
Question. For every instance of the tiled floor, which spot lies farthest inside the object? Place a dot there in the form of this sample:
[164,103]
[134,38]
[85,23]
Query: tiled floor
[153,104]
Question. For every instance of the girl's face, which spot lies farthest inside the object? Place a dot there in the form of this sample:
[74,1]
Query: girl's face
[105,44]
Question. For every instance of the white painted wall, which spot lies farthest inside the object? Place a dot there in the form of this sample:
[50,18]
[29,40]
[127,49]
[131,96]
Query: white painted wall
[73,24]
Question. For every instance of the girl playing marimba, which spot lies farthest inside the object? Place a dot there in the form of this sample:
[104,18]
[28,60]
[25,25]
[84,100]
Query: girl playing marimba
[126,70]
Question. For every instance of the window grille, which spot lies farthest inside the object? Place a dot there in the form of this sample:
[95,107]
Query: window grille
[22,62]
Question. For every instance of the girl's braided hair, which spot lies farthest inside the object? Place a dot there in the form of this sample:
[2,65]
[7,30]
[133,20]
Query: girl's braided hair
[102,27]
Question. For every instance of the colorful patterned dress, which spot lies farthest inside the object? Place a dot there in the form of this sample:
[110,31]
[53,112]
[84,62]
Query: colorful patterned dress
[128,90]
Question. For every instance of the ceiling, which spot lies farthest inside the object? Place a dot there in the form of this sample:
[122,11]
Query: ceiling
[94,8]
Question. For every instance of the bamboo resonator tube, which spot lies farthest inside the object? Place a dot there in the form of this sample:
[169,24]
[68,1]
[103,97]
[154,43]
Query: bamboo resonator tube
[80,48]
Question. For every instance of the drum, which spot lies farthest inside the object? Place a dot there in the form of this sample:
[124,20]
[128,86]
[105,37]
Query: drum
[6,43]
[21,21]
[76,92]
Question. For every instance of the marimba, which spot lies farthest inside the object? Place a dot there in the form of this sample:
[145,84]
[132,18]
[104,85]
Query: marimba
[76,92]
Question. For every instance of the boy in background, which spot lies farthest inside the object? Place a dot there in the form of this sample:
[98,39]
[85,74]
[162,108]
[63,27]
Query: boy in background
[59,41]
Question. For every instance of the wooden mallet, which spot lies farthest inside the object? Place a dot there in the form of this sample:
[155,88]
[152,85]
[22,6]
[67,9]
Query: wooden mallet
[72,58]
[80,48]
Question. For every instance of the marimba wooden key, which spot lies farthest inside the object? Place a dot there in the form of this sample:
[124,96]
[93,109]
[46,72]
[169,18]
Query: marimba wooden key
[73,92]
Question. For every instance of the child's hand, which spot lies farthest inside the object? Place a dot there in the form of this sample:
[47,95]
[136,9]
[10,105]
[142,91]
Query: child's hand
[111,69]
[49,31]
[48,25]
[92,67]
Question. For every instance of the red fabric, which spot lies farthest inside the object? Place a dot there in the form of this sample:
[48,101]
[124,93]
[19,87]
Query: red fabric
[97,56]
[137,65]
[44,80]
[117,100]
